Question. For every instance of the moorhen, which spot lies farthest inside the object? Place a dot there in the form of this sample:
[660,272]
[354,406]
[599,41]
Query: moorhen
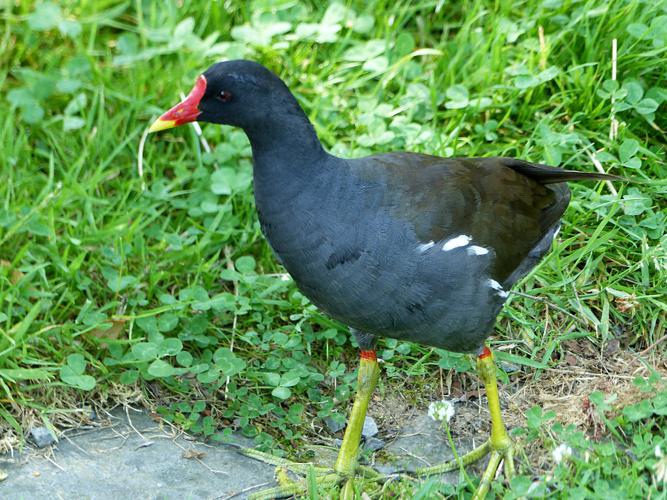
[401,245]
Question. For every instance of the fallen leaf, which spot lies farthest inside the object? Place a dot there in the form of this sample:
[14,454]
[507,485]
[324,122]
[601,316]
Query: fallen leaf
[571,360]
[15,274]
[112,333]
[191,454]
[625,304]
[612,347]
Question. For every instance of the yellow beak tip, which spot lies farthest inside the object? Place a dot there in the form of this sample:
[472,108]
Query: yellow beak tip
[160,124]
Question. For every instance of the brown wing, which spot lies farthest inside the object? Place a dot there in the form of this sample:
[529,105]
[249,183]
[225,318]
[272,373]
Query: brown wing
[489,199]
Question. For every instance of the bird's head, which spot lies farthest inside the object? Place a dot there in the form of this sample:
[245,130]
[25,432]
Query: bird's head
[239,93]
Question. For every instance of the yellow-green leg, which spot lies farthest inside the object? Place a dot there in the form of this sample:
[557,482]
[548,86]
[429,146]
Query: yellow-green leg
[499,445]
[346,464]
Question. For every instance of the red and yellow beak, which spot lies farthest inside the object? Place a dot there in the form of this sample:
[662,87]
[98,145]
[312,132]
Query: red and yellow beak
[184,112]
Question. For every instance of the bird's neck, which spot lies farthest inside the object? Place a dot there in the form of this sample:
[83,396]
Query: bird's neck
[285,142]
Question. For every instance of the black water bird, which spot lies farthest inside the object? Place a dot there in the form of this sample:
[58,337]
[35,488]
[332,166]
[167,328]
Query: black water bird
[402,245]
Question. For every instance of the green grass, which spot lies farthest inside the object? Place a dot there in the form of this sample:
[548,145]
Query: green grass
[181,272]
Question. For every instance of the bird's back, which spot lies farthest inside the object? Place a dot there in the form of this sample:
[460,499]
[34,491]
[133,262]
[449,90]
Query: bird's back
[413,246]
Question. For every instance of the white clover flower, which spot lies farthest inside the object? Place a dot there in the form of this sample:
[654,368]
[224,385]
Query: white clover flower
[660,467]
[441,410]
[561,452]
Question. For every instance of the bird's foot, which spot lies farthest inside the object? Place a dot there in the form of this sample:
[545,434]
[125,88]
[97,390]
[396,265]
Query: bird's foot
[309,477]
[500,455]
[346,474]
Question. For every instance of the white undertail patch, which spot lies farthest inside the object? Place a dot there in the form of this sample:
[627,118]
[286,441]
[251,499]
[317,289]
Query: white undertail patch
[556,232]
[497,286]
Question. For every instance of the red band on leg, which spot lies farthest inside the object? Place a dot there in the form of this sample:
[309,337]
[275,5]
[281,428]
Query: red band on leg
[370,355]
[486,352]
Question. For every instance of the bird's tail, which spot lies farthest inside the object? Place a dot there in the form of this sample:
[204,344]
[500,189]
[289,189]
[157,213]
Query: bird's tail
[544,174]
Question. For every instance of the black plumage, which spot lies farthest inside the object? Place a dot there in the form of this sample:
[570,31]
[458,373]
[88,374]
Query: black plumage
[402,245]
[373,241]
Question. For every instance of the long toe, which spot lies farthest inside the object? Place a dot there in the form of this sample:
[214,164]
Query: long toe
[499,458]
[469,458]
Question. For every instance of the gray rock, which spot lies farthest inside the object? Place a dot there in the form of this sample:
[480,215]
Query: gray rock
[371,443]
[422,443]
[334,424]
[149,461]
[370,428]
[508,367]
[374,444]
[386,469]
[115,462]
[42,437]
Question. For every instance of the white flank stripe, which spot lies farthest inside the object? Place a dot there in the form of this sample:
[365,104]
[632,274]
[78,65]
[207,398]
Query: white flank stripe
[475,250]
[425,246]
[459,241]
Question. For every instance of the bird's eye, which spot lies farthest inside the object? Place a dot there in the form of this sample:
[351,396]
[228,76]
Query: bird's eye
[225,96]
